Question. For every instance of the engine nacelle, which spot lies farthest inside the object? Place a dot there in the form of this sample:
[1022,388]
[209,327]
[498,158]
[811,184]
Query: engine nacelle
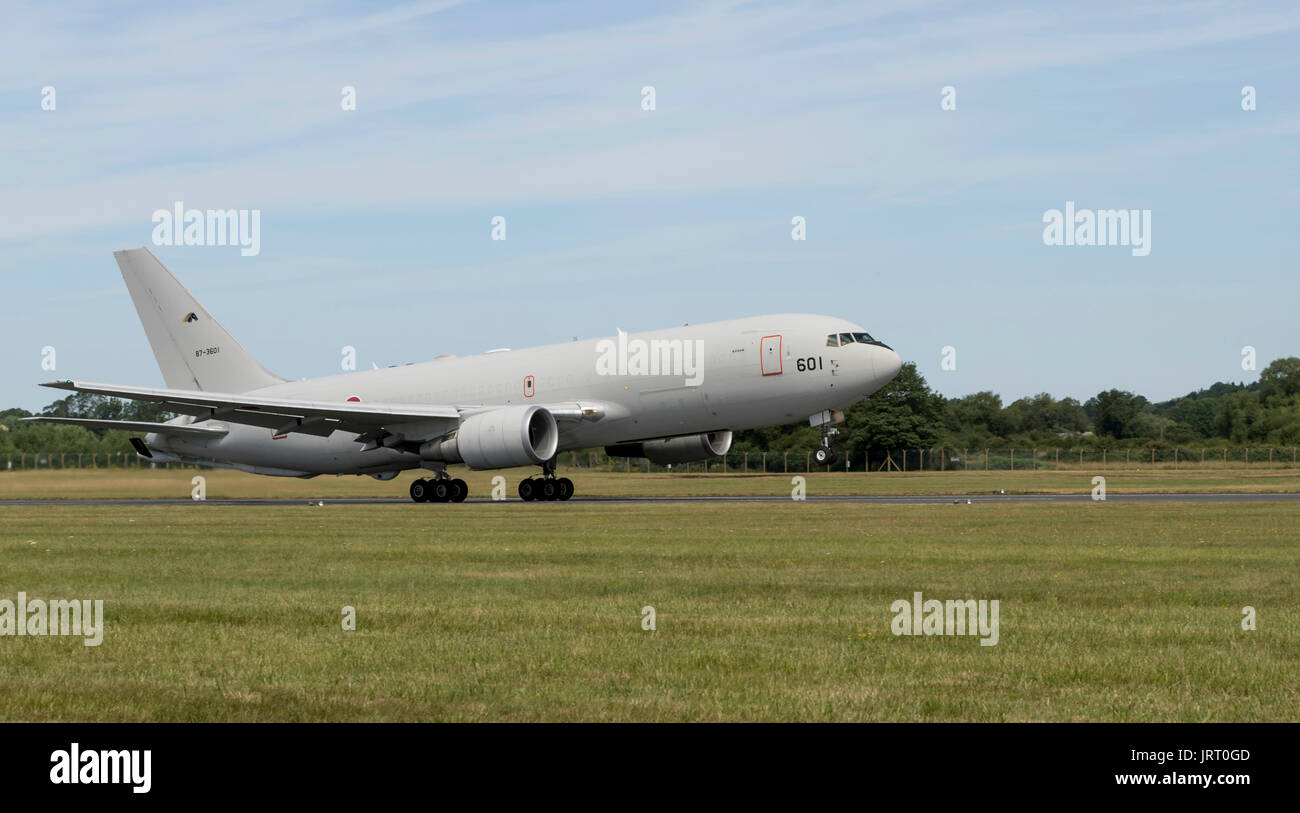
[676,450]
[511,436]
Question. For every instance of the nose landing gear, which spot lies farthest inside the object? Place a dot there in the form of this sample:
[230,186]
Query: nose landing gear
[827,455]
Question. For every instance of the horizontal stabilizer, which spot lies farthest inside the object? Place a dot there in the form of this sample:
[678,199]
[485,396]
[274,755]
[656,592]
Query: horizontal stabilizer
[285,415]
[136,426]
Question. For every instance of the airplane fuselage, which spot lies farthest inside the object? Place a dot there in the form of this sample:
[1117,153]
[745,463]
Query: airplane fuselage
[732,375]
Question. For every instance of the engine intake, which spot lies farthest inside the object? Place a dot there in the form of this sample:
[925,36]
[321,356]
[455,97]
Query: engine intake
[676,450]
[512,436]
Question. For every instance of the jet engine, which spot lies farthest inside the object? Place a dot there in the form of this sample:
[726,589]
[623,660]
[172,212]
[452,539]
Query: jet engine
[511,436]
[676,450]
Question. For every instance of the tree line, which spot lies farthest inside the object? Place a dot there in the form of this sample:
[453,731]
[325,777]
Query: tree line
[908,414]
[19,437]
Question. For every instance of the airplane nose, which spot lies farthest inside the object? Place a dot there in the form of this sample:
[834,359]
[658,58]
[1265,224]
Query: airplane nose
[886,363]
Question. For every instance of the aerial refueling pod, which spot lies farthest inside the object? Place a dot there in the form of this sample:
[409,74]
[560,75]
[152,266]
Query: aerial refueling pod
[676,450]
[501,438]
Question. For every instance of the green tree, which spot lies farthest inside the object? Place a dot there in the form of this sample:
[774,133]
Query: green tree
[905,414]
[979,411]
[88,405]
[1117,413]
[1280,380]
[1068,415]
[1241,416]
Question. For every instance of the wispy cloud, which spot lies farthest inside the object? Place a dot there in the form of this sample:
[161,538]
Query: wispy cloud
[240,106]
[764,110]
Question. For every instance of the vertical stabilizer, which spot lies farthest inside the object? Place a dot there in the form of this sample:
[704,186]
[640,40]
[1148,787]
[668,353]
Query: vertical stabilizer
[193,350]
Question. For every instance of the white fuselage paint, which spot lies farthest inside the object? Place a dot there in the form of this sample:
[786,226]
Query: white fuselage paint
[733,393]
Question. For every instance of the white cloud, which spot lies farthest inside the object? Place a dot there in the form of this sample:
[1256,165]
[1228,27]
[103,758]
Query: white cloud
[239,106]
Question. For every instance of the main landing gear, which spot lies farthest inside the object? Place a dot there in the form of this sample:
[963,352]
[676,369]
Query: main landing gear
[545,488]
[548,487]
[441,489]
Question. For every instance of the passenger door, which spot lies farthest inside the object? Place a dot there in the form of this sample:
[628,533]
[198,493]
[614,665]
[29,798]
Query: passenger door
[770,355]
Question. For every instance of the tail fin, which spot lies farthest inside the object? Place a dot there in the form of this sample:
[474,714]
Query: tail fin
[193,350]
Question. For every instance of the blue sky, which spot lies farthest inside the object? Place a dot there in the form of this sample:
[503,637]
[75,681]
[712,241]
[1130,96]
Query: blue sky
[923,224]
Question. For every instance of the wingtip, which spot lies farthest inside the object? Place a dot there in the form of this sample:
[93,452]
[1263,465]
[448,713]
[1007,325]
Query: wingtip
[61,384]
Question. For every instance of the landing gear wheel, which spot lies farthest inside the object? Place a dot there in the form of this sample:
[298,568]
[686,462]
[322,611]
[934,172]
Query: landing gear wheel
[565,486]
[459,490]
[441,490]
[548,490]
[420,490]
[825,456]
[527,490]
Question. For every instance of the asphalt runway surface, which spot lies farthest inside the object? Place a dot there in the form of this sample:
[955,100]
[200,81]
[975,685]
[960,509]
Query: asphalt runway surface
[926,499]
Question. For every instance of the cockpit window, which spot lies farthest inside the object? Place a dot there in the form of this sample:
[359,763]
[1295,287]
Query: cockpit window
[839,340]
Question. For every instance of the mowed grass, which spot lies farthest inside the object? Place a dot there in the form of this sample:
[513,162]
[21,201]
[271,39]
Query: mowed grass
[227,484]
[512,611]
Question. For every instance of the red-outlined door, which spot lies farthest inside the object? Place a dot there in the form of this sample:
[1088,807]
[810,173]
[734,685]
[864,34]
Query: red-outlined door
[529,386]
[770,354]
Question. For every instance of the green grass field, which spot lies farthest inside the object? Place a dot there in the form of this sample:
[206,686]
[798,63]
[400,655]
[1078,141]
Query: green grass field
[512,611]
[224,483]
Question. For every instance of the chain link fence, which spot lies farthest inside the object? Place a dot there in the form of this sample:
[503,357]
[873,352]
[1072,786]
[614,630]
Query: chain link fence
[798,461]
[84,460]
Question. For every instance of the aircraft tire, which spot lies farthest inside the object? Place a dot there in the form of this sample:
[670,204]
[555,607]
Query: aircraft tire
[461,490]
[441,491]
[420,490]
[527,490]
[565,488]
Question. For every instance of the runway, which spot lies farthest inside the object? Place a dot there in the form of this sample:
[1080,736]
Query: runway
[924,499]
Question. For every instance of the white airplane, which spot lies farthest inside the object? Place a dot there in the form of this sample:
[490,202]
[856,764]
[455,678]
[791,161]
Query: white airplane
[671,396]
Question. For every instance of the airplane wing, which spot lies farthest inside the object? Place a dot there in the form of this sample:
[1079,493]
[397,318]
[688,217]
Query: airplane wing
[376,423]
[136,426]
